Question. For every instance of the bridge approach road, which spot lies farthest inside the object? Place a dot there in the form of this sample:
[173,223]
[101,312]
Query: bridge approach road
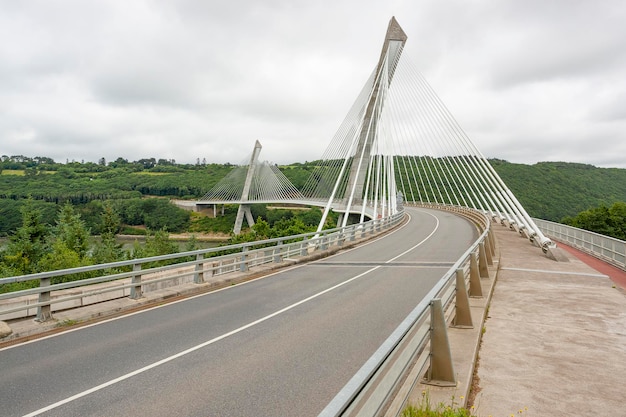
[277,346]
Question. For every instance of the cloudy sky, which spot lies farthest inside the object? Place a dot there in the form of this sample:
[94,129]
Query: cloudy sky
[529,81]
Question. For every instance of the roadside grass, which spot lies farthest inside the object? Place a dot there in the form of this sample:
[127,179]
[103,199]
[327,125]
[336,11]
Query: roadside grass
[424,408]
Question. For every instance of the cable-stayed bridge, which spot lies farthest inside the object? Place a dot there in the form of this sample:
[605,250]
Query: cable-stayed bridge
[398,144]
[335,336]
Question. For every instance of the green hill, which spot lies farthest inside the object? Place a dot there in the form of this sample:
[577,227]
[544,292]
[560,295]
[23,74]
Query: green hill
[548,190]
[554,190]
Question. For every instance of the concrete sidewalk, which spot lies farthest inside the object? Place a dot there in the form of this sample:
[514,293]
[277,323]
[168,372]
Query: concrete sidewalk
[555,338]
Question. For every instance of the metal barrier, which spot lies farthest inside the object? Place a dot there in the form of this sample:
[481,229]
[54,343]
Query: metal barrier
[606,248]
[421,339]
[134,277]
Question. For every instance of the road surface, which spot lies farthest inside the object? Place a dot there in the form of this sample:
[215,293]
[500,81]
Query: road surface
[282,345]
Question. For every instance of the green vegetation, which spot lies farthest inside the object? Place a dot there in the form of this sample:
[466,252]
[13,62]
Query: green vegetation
[424,408]
[37,247]
[554,190]
[51,219]
[608,221]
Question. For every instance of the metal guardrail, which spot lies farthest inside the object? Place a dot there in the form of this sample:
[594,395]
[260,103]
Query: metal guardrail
[606,248]
[194,265]
[421,339]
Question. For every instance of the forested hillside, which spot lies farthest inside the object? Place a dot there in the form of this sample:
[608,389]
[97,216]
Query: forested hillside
[548,190]
[554,190]
[52,211]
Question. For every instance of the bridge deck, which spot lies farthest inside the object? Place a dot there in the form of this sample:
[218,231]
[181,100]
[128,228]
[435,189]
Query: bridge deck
[554,339]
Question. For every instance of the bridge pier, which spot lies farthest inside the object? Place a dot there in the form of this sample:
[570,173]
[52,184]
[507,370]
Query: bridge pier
[243,211]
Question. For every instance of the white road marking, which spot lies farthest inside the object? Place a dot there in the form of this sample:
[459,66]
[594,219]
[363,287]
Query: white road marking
[545,271]
[221,337]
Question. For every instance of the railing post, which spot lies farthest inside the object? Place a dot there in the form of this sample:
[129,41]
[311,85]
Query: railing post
[278,256]
[353,234]
[324,242]
[243,266]
[44,312]
[198,276]
[441,370]
[304,248]
[488,252]
[476,289]
[482,261]
[135,291]
[463,316]
[492,241]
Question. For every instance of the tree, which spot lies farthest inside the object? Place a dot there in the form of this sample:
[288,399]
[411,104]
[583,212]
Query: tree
[605,221]
[108,250]
[157,243]
[617,216]
[60,257]
[72,231]
[28,245]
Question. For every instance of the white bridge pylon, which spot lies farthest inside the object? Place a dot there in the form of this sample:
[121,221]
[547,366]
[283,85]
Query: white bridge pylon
[256,182]
[398,143]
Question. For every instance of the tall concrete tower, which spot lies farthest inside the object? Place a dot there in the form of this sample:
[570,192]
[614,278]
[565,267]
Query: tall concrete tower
[389,56]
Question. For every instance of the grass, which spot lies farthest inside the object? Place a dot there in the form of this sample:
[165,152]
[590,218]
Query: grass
[424,408]
[67,323]
[150,173]
[19,172]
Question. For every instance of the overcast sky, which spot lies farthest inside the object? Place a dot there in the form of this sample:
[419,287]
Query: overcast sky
[528,80]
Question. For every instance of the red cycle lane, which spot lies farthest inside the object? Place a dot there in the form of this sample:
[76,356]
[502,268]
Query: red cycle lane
[618,276]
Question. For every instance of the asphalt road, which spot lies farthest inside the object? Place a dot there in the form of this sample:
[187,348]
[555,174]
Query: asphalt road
[283,345]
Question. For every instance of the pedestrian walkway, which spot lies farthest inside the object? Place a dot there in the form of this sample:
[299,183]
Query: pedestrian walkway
[555,337]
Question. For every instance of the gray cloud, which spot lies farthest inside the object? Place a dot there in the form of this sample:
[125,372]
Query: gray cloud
[529,81]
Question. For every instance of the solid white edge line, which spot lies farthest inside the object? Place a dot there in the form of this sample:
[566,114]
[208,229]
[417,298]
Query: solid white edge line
[545,271]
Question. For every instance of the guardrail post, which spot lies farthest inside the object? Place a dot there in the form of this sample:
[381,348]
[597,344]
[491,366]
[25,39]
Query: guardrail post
[492,241]
[243,266]
[441,370]
[353,234]
[278,256]
[324,242]
[476,289]
[482,261]
[304,247]
[488,253]
[463,316]
[135,291]
[44,312]
[198,276]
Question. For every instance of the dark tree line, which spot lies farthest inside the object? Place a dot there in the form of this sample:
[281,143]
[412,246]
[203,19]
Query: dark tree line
[608,221]
[36,246]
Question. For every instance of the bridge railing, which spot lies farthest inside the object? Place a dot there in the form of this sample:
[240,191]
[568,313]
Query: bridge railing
[420,342]
[606,248]
[133,278]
